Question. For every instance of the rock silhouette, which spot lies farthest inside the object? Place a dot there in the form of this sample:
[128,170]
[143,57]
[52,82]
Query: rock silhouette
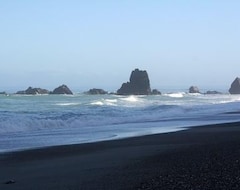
[63,89]
[94,91]
[213,92]
[235,86]
[33,91]
[156,92]
[139,84]
[194,89]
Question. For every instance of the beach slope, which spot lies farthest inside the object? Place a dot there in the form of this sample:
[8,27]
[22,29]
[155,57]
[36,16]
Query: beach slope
[205,157]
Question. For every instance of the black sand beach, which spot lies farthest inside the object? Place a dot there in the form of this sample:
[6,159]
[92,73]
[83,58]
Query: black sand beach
[201,158]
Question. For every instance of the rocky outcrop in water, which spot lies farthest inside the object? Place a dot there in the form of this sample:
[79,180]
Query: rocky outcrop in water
[139,84]
[156,92]
[33,91]
[95,91]
[63,89]
[213,92]
[194,89]
[3,93]
[235,86]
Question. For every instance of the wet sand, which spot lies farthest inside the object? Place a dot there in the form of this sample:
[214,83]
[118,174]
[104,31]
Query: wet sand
[206,157]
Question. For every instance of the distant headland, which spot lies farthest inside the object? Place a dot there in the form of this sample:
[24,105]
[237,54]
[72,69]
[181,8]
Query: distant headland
[138,84]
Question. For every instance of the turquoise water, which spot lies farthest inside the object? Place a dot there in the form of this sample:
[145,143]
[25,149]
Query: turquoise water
[47,120]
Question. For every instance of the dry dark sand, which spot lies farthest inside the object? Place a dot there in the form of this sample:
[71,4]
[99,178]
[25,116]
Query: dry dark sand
[200,158]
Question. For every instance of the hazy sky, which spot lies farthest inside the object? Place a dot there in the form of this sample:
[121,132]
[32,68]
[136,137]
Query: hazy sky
[97,43]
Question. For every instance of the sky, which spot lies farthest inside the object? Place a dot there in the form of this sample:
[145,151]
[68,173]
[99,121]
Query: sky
[96,44]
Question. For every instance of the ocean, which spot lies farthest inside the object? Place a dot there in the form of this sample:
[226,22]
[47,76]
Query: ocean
[47,120]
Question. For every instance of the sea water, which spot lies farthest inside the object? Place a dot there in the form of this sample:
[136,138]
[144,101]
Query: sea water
[49,120]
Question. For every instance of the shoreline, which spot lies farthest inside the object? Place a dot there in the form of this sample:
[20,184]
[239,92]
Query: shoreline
[120,137]
[175,130]
[110,139]
[144,162]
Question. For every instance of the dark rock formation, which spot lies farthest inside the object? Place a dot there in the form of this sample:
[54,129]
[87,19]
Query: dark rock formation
[33,91]
[94,91]
[194,89]
[213,92]
[10,182]
[3,93]
[235,86]
[21,92]
[139,84]
[63,89]
[156,92]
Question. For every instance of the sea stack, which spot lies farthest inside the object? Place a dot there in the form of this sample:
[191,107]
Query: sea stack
[156,92]
[3,93]
[139,84]
[194,89]
[212,92]
[95,91]
[235,86]
[63,89]
[33,91]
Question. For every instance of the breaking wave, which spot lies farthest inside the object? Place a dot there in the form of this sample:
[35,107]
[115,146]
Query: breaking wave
[54,120]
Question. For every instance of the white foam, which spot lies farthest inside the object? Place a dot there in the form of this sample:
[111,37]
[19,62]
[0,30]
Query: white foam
[68,104]
[176,95]
[112,100]
[194,94]
[131,99]
[97,103]
[56,119]
[107,102]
